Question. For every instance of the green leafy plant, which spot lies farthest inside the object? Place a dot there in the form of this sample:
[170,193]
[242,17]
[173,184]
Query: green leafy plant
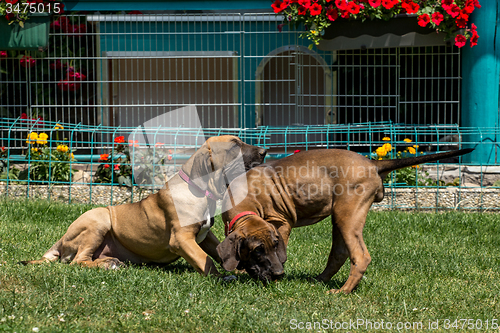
[46,163]
[116,167]
[446,16]
[410,175]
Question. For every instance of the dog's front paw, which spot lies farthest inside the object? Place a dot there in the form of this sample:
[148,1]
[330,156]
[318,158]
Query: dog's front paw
[337,291]
[333,291]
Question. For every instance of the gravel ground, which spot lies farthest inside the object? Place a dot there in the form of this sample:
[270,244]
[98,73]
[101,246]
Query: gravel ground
[475,198]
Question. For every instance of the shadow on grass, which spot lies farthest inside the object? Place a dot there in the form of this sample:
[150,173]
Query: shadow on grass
[334,283]
[177,267]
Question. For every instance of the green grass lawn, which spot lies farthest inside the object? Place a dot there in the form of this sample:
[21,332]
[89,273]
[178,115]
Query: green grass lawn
[425,267]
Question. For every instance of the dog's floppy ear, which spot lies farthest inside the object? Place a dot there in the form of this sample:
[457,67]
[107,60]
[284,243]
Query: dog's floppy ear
[229,252]
[198,167]
[281,250]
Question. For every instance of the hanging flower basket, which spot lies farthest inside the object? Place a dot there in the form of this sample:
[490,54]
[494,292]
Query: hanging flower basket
[401,31]
[34,34]
[444,16]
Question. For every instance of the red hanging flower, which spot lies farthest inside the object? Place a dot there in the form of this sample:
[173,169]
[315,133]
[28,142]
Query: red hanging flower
[332,14]
[460,41]
[68,85]
[446,4]
[473,39]
[9,16]
[461,23]
[64,24]
[437,18]
[3,54]
[27,62]
[410,6]
[279,6]
[117,167]
[353,8]
[341,4]
[453,10]
[305,3]
[345,14]
[315,9]
[104,157]
[120,139]
[387,4]
[374,3]
[75,76]
[423,20]
[475,36]
[302,10]
[106,166]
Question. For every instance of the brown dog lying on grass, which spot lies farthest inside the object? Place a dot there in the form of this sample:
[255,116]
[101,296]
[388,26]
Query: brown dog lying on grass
[172,223]
[301,190]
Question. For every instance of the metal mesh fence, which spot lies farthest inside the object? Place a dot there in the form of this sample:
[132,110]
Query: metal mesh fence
[239,69]
[105,74]
[48,162]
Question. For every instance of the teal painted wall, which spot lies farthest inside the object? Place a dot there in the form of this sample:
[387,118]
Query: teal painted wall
[480,83]
[127,5]
[251,40]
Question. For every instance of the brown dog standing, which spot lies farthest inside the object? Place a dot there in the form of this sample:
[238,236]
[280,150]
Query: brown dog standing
[301,190]
[172,223]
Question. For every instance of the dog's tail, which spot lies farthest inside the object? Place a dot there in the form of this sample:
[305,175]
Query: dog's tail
[384,167]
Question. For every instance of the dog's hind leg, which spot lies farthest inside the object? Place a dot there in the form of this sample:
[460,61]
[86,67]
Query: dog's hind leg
[338,255]
[80,242]
[85,236]
[350,217]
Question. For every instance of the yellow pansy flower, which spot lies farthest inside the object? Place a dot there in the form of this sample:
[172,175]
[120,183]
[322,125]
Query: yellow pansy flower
[32,137]
[407,140]
[58,127]
[412,150]
[387,147]
[386,138]
[62,148]
[381,152]
[34,150]
[42,139]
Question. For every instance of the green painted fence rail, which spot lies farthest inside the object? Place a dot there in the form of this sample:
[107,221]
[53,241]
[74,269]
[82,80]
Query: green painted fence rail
[100,164]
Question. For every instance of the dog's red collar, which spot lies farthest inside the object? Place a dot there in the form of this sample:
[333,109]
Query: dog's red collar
[186,178]
[229,226]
